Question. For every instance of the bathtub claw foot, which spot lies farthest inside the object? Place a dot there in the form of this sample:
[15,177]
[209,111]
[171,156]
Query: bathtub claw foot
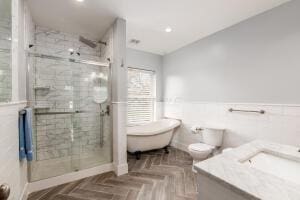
[166,150]
[137,155]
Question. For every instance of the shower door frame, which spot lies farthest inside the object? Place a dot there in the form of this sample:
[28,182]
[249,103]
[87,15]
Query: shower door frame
[108,102]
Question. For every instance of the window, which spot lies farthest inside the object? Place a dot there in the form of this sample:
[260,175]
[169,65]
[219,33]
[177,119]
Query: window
[141,96]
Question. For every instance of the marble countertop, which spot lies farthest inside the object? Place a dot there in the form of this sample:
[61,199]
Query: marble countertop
[228,169]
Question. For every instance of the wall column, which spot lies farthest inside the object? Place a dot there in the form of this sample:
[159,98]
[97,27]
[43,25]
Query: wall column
[119,97]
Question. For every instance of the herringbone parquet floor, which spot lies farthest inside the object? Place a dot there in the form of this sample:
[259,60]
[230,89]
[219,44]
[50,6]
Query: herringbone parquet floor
[156,176]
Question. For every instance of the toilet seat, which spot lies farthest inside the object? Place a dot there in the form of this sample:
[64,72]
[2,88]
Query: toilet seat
[201,147]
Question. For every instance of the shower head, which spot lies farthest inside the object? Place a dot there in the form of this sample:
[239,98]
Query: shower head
[89,42]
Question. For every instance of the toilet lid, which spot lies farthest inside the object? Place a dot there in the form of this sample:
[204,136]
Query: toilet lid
[201,147]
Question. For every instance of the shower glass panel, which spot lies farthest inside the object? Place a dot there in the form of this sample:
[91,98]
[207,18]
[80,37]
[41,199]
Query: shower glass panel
[5,51]
[71,120]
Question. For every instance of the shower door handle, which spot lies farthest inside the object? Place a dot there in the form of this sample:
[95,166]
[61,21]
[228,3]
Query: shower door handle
[103,113]
[4,191]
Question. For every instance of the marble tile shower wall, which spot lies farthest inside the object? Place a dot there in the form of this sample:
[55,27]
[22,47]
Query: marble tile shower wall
[62,86]
[57,43]
[5,61]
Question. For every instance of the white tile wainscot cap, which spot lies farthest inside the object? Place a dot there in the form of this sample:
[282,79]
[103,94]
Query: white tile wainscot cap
[227,169]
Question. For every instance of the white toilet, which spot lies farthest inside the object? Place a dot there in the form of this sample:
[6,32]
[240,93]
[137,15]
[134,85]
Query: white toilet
[212,140]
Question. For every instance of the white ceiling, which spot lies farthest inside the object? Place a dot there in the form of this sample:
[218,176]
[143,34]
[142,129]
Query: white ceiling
[190,20]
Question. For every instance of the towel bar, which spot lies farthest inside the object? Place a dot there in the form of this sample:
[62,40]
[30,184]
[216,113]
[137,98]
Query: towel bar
[64,113]
[248,111]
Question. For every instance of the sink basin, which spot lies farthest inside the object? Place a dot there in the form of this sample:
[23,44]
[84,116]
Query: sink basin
[278,166]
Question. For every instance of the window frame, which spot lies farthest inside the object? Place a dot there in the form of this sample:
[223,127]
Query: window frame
[153,98]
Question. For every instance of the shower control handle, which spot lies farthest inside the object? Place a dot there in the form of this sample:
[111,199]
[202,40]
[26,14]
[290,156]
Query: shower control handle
[4,191]
[107,110]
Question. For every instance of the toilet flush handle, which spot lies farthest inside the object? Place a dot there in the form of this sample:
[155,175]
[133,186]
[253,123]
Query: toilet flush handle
[196,129]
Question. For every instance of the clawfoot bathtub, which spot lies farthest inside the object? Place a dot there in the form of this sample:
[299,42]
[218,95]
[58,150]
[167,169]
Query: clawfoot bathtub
[155,135]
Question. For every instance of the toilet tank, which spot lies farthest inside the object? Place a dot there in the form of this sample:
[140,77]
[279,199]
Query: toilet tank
[213,136]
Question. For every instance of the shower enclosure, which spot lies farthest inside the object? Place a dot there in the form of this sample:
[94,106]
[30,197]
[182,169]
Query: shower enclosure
[70,97]
[5,51]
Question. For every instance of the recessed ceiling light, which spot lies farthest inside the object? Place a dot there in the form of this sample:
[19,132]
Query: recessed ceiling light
[71,50]
[168,29]
[80,0]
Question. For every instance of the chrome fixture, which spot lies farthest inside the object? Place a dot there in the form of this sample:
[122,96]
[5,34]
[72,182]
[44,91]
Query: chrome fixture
[103,113]
[149,70]
[248,111]
[199,129]
[90,43]
[103,64]
[63,113]
[135,41]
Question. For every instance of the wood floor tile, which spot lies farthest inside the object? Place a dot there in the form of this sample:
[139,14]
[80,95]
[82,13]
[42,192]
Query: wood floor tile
[156,176]
[91,195]
[148,175]
[132,195]
[118,197]
[39,194]
[106,188]
[66,197]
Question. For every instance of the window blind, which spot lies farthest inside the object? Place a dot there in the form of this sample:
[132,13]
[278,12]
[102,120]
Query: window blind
[141,96]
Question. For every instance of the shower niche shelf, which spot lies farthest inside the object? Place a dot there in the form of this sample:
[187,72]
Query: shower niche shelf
[38,107]
[42,87]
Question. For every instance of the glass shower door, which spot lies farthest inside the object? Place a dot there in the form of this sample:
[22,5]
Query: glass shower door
[71,119]
[91,121]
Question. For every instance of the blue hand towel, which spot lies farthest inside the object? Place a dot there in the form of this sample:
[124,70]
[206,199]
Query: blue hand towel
[22,153]
[28,134]
[25,135]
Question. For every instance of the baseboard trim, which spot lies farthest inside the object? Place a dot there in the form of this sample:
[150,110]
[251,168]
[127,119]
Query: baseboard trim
[24,194]
[121,169]
[181,146]
[50,182]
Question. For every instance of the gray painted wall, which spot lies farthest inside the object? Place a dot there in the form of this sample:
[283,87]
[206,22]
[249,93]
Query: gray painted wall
[255,61]
[144,60]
